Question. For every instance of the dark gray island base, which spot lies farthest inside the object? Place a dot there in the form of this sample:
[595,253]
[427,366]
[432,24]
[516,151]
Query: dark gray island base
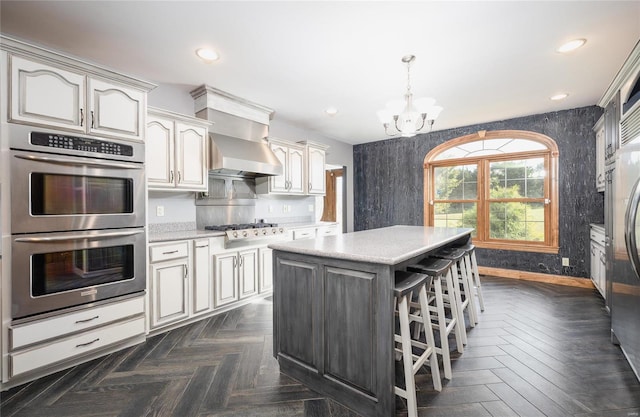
[333,315]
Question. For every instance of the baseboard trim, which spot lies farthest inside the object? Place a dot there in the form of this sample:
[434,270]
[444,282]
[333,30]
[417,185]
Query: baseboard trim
[537,276]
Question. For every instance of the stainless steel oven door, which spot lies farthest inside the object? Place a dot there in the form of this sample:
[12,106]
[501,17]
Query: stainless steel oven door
[52,271]
[59,193]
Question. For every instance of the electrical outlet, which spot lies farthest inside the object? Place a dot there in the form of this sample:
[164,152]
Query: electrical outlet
[311,208]
[565,262]
[159,211]
[270,208]
[284,208]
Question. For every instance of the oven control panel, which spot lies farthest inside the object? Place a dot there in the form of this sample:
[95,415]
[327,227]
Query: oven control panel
[51,140]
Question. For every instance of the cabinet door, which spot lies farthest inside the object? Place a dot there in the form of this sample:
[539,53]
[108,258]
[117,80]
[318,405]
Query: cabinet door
[248,275]
[115,110]
[160,153]
[602,275]
[266,270]
[296,171]
[600,145]
[47,95]
[317,179]
[280,183]
[226,278]
[202,290]
[169,292]
[190,157]
[595,264]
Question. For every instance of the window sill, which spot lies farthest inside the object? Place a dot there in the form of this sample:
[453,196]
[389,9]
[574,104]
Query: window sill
[517,247]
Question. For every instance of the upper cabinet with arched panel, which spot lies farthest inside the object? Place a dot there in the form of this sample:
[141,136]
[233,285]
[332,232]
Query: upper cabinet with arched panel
[51,90]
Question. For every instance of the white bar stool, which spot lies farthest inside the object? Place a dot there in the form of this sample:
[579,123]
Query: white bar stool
[472,268]
[406,283]
[440,269]
[464,287]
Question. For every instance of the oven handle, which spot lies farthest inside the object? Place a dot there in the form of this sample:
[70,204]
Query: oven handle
[63,161]
[76,237]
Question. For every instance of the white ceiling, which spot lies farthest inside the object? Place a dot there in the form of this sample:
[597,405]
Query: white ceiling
[481,61]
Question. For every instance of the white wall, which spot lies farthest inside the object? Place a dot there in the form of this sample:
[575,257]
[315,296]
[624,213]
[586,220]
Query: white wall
[173,97]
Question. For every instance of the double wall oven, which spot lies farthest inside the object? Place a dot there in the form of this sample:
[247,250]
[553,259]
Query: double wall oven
[77,219]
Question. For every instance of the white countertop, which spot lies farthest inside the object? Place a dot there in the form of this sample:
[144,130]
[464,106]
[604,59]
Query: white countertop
[387,245]
[183,235]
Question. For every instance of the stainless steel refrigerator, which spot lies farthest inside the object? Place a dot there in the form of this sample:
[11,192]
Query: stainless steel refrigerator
[625,297]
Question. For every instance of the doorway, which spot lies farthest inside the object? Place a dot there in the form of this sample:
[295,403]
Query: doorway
[334,207]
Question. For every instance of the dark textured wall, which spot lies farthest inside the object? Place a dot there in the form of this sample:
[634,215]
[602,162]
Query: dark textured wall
[388,186]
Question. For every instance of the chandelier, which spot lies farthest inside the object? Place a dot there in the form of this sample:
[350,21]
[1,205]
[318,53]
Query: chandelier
[409,116]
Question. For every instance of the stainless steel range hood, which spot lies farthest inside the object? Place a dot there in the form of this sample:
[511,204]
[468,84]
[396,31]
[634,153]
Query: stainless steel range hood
[238,136]
[233,156]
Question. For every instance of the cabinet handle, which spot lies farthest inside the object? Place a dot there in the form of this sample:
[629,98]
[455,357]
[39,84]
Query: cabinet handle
[92,120]
[171,176]
[179,177]
[235,261]
[88,343]
[310,187]
[186,270]
[81,117]
[170,252]
[87,320]
[241,260]
[203,246]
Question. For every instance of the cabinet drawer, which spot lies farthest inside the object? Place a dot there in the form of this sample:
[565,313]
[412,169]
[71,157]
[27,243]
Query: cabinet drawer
[328,231]
[304,234]
[39,356]
[169,251]
[597,237]
[41,330]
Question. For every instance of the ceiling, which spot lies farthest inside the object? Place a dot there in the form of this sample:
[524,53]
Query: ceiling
[481,61]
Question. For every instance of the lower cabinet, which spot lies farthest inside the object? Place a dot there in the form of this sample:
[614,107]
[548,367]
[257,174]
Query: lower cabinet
[598,261]
[48,341]
[266,270]
[236,275]
[202,291]
[169,283]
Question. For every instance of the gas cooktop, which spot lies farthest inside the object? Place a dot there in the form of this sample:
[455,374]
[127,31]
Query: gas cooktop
[239,226]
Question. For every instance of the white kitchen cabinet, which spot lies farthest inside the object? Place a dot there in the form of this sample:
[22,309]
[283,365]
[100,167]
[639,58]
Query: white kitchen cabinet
[225,278]
[202,289]
[600,145]
[292,181]
[54,95]
[248,272]
[598,259]
[314,167]
[176,152]
[266,270]
[45,342]
[236,275]
[169,283]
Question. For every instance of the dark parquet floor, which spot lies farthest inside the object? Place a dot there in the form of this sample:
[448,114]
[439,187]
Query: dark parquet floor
[539,350]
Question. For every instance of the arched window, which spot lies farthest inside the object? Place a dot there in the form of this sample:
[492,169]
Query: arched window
[504,184]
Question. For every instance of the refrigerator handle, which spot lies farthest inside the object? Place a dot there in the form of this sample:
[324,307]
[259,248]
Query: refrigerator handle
[630,220]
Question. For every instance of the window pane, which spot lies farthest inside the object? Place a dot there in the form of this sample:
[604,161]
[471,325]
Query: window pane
[456,183]
[517,221]
[456,215]
[517,179]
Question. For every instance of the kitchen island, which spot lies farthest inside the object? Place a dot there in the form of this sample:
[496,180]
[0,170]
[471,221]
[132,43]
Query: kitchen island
[333,315]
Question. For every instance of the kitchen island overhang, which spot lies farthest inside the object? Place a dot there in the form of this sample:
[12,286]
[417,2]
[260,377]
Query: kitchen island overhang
[333,317]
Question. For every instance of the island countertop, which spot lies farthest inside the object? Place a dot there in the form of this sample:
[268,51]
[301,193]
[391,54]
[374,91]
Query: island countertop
[387,245]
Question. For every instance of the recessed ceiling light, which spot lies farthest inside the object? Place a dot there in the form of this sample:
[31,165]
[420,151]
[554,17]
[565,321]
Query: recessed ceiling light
[571,45]
[331,111]
[560,96]
[207,55]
